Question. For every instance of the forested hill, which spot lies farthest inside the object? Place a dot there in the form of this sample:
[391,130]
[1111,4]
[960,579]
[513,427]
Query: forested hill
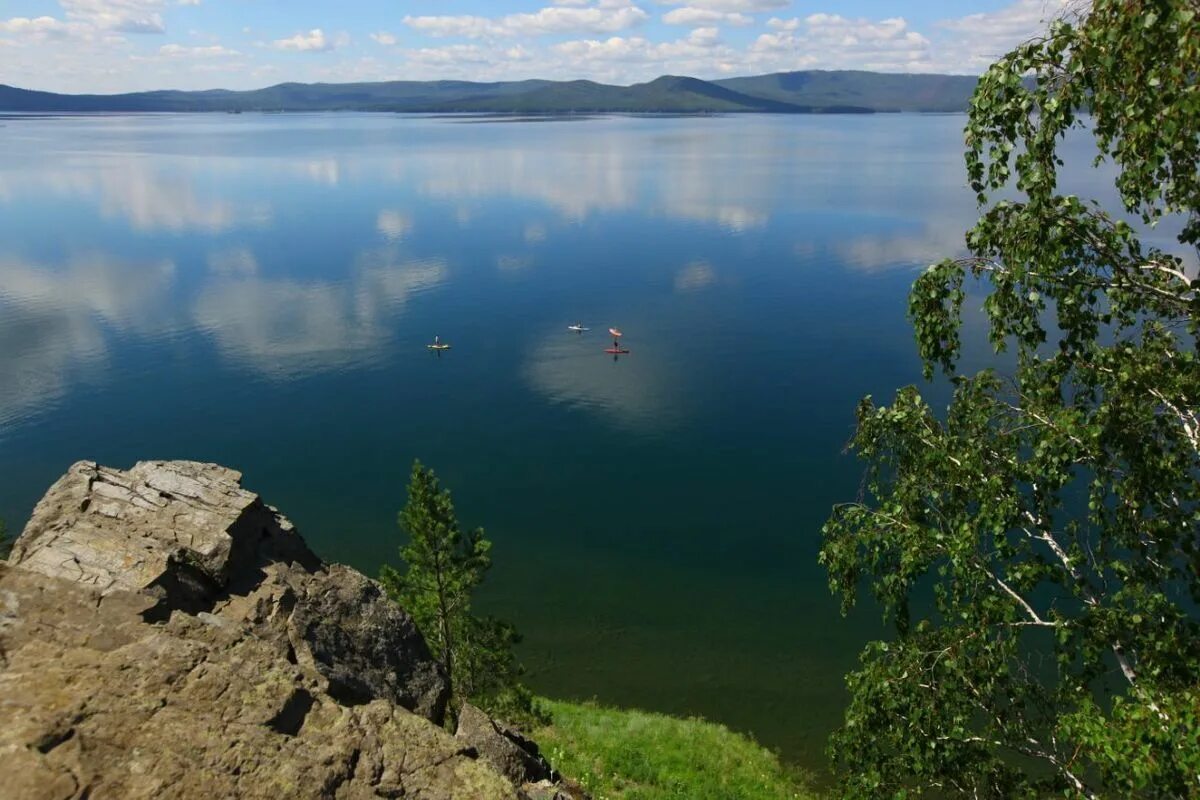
[786,92]
[878,91]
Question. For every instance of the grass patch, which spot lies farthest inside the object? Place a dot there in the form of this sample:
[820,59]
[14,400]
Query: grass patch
[637,755]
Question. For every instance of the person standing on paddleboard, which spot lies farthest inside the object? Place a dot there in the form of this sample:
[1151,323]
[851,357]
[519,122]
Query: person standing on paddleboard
[616,339]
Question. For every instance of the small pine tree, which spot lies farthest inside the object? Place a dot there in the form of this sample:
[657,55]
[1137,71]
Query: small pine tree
[443,566]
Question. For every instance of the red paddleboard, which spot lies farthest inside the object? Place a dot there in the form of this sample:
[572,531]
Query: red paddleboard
[615,351]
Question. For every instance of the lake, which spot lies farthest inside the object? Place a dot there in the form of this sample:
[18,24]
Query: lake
[258,290]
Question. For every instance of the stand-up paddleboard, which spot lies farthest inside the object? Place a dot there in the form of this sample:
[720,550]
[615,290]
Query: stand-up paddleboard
[577,328]
[438,346]
[616,351]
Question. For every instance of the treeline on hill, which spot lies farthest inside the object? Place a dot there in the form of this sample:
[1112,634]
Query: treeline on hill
[787,92]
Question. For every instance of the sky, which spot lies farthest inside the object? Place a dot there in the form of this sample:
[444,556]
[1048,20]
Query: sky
[130,45]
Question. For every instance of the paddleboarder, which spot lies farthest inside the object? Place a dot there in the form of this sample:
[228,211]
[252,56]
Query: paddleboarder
[616,348]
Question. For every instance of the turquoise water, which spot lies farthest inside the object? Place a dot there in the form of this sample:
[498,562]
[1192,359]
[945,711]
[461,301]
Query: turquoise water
[258,290]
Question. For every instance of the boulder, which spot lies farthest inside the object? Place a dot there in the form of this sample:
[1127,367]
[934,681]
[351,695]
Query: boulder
[506,749]
[365,645]
[550,790]
[188,535]
[163,632]
[179,531]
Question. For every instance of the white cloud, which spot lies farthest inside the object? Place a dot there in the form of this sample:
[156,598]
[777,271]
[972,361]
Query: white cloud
[200,51]
[455,56]
[315,41]
[384,38]
[37,26]
[690,15]
[834,41]
[616,59]
[976,40]
[1020,20]
[122,16]
[605,18]
[731,6]
[698,43]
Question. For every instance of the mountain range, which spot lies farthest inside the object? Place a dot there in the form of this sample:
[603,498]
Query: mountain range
[811,92]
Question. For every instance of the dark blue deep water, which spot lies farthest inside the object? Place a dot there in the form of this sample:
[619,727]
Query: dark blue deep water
[257,290]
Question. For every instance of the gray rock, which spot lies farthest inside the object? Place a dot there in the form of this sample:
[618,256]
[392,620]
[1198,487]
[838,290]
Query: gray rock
[366,646]
[180,531]
[190,536]
[506,749]
[164,632]
[548,790]
[95,702]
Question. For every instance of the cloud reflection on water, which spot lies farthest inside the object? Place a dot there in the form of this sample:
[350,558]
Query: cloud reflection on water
[601,171]
[394,225]
[574,183]
[875,252]
[60,324]
[53,322]
[335,306]
[147,195]
[236,261]
[641,391]
[695,276]
[285,328]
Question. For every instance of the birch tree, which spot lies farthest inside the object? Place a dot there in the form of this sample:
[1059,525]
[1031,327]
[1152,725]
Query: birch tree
[1036,544]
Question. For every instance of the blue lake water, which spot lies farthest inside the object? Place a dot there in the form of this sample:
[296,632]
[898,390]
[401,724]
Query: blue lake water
[258,290]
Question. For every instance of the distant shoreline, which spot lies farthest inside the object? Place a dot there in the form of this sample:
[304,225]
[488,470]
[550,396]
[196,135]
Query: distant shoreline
[811,92]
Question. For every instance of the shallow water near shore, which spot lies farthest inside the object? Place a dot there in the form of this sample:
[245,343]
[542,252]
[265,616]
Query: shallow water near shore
[258,290]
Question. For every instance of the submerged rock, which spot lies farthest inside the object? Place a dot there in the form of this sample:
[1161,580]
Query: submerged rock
[163,632]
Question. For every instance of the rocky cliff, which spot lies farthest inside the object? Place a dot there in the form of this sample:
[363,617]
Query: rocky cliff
[165,633]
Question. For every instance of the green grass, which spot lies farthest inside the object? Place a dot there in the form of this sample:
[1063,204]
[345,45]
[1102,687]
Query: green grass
[636,755]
